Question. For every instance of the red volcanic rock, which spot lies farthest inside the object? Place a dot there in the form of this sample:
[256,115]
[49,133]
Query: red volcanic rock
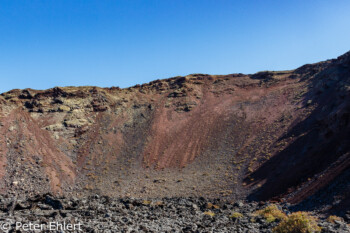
[267,136]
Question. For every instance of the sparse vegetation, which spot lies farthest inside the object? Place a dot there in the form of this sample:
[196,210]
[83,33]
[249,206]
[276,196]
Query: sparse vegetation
[298,222]
[236,215]
[146,202]
[271,213]
[209,213]
[212,206]
[333,218]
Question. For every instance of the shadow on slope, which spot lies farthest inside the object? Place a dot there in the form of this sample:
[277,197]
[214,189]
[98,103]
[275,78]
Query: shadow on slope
[319,152]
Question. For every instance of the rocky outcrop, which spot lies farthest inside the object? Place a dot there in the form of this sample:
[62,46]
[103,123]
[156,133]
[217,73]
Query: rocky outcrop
[267,136]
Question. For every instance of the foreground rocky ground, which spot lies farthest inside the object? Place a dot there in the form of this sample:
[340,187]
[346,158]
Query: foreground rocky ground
[103,214]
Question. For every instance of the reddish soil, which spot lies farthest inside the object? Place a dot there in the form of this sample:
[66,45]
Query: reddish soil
[268,136]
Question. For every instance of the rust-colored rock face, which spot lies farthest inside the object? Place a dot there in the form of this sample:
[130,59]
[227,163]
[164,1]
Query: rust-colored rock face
[271,135]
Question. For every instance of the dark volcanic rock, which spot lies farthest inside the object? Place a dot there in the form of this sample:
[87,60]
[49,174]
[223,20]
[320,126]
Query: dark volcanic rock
[104,214]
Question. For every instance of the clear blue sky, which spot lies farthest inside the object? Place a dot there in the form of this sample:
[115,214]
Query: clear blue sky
[121,43]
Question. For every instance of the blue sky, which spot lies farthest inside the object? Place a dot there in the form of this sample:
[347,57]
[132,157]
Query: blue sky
[122,43]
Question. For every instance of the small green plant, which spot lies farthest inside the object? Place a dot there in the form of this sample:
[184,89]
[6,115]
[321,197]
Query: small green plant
[209,213]
[271,213]
[298,222]
[236,215]
[146,202]
[333,218]
[212,206]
